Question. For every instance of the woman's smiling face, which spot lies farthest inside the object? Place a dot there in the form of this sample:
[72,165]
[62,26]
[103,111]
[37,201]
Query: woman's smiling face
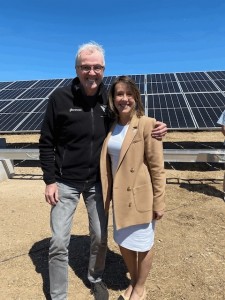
[124,99]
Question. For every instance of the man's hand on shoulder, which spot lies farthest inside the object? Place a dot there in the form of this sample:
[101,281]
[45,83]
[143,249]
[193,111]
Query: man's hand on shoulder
[159,131]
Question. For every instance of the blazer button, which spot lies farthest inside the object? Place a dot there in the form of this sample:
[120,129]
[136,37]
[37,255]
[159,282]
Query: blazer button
[132,170]
[130,204]
[129,189]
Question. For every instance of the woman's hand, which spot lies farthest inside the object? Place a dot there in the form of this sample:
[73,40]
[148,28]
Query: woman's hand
[157,215]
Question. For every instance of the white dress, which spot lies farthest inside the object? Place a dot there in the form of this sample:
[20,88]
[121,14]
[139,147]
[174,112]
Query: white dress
[137,237]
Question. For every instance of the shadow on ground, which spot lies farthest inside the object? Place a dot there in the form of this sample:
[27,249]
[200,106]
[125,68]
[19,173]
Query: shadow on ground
[115,270]
[203,189]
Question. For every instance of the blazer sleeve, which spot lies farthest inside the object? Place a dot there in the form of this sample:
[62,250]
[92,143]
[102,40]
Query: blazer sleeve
[153,149]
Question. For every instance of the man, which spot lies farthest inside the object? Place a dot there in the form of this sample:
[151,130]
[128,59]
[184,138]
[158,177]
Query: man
[221,121]
[73,130]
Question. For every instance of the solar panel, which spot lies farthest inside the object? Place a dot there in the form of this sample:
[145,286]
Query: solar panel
[166,101]
[197,86]
[4,84]
[138,79]
[9,122]
[108,81]
[17,106]
[143,100]
[171,109]
[220,84]
[194,92]
[33,122]
[48,83]
[11,94]
[188,100]
[217,74]
[206,100]
[205,117]
[22,84]
[162,87]
[176,118]
[206,108]
[36,93]
[160,77]
[192,76]
[4,104]
[65,82]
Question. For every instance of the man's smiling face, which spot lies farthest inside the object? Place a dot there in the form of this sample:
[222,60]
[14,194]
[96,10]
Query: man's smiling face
[90,79]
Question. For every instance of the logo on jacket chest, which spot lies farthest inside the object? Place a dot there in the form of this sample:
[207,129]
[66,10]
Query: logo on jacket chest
[75,109]
[103,107]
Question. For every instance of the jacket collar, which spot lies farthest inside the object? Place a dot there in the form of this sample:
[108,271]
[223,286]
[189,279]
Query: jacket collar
[101,94]
[133,123]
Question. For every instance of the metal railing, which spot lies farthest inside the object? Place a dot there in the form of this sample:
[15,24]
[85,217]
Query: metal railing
[170,155]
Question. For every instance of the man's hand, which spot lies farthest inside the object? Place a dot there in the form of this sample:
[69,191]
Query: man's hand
[157,215]
[51,194]
[159,131]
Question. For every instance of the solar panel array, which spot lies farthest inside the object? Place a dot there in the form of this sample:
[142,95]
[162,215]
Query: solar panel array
[184,101]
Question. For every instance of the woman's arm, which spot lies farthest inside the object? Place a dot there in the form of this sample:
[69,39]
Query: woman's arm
[155,161]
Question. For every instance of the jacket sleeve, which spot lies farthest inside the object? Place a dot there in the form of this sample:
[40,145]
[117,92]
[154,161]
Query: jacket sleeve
[47,143]
[155,162]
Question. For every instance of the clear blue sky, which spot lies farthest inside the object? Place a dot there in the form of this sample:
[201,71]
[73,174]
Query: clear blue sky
[39,38]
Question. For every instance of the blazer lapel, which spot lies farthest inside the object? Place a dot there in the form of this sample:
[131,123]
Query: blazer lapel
[131,132]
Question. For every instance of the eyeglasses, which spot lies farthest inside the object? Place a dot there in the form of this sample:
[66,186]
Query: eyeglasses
[95,68]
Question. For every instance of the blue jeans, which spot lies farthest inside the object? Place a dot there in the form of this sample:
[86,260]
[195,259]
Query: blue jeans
[61,224]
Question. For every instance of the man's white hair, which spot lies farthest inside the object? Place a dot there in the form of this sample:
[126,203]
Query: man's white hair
[91,47]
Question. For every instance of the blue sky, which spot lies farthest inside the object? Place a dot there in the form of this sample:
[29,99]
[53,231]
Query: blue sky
[39,38]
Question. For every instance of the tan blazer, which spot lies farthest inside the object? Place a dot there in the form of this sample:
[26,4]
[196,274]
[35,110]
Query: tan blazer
[139,183]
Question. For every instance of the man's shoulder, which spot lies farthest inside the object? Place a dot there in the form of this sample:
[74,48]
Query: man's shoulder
[61,92]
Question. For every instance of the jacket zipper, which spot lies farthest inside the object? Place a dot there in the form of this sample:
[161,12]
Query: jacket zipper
[91,145]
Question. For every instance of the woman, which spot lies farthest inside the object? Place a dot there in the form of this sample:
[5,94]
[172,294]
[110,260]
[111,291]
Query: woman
[133,176]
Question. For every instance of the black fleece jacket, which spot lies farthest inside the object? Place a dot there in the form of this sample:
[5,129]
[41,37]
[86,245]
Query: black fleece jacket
[72,134]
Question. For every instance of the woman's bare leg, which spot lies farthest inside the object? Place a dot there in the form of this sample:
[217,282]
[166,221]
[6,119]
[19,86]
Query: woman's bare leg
[144,265]
[131,260]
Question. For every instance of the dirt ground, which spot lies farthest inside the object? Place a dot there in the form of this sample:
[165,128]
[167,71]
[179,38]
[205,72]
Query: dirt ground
[189,262]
